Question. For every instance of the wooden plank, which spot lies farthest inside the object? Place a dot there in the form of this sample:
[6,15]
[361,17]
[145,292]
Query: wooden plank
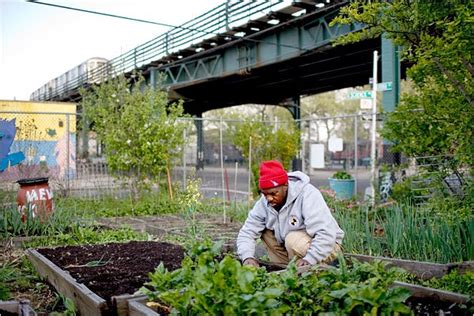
[87,302]
[22,307]
[423,270]
[465,266]
[19,242]
[137,307]
[434,294]
[9,306]
[121,302]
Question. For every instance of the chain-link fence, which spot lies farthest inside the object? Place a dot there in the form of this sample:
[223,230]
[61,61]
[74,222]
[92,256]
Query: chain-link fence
[35,144]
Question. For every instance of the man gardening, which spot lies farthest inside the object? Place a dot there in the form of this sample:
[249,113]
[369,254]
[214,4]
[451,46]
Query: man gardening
[291,218]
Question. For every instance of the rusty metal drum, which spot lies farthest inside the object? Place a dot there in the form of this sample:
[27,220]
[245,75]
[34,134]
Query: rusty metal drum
[34,198]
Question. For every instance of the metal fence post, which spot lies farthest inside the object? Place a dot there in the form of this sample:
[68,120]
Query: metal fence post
[356,152]
[184,159]
[222,169]
[68,153]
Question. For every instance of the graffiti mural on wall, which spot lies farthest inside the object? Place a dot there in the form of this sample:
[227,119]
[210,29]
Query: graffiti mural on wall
[7,136]
[39,139]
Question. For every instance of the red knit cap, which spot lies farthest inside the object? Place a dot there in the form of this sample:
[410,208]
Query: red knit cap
[272,174]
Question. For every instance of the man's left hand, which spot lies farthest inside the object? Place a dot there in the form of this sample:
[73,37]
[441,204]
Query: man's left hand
[302,263]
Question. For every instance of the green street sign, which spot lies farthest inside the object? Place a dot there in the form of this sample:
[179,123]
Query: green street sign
[360,95]
[384,86]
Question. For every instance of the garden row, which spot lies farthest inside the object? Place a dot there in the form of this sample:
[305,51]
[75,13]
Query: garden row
[398,232]
[104,280]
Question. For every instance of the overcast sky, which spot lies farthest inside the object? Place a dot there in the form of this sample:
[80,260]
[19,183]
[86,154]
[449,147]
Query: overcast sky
[39,42]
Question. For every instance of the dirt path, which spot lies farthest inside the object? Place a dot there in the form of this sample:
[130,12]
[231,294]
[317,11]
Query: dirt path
[165,225]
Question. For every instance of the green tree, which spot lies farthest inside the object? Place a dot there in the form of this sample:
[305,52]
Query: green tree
[138,127]
[265,142]
[437,40]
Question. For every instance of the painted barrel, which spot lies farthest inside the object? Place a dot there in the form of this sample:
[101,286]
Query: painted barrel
[34,198]
[344,188]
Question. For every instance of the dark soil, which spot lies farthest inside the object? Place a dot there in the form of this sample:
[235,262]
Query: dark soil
[427,306]
[120,268]
[5,313]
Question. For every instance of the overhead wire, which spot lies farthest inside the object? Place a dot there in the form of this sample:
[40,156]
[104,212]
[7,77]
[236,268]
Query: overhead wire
[162,24]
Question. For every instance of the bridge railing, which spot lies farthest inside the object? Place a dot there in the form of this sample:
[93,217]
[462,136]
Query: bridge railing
[205,26]
[211,24]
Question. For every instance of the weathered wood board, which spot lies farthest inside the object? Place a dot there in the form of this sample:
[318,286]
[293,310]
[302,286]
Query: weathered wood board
[121,302]
[22,308]
[137,307]
[434,294]
[423,270]
[87,302]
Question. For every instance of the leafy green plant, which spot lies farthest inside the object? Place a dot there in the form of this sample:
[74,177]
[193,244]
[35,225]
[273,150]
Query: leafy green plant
[67,304]
[7,274]
[342,175]
[402,191]
[454,281]
[207,285]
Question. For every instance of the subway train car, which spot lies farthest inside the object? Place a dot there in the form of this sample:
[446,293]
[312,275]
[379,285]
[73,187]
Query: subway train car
[92,70]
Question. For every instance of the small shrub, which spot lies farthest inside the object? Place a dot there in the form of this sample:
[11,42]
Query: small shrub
[341,175]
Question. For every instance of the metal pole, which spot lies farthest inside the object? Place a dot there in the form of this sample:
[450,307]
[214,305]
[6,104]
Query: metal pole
[235,182]
[309,147]
[250,171]
[303,152]
[227,15]
[356,153]
[184,159]
[222,168]
[68,154]
[374,126]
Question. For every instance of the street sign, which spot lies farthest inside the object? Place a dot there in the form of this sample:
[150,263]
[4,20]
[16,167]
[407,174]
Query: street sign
[384,86]
[360,95]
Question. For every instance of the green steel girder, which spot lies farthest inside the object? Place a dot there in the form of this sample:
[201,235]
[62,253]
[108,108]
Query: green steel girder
[282,42]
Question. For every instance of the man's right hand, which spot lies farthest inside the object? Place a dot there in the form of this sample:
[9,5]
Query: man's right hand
[251,262]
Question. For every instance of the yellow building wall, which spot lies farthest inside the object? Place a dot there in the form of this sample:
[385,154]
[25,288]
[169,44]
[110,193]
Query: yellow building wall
[38,121]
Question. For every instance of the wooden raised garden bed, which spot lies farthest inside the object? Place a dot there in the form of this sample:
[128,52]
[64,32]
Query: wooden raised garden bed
[423,300]
[101,278]
[423,270]
[21,308]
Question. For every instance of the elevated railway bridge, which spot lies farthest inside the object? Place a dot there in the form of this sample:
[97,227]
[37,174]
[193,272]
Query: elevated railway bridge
[261,52]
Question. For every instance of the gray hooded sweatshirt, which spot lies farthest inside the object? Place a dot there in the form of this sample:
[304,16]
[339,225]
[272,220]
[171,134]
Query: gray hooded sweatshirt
[304,209]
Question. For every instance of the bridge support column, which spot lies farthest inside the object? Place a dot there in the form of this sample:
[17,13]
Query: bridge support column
[200,142]
[295,109]
[390,98]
